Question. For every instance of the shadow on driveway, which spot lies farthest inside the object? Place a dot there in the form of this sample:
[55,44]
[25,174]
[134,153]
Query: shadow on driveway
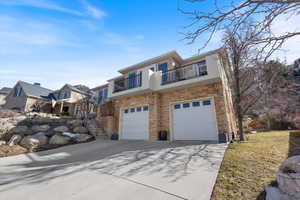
[168,160]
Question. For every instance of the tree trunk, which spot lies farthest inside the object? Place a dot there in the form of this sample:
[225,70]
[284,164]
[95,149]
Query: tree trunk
[238,94]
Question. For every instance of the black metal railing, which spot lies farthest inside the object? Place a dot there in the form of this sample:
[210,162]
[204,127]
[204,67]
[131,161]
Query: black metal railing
[128,83]
[182,73]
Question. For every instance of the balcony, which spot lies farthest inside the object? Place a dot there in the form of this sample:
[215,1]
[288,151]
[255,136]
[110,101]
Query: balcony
[183,73]
[128,83]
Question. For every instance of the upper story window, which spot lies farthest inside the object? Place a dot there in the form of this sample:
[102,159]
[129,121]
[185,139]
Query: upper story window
[18,91]
[202,68]
[102,96]
[65,94]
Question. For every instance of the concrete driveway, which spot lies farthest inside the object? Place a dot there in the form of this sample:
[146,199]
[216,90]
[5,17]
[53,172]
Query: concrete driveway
[113,170]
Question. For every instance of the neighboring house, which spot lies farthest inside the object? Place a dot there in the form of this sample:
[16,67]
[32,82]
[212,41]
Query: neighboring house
[3,93]
[101,94]
[25,95]
[68,99]
[189,99]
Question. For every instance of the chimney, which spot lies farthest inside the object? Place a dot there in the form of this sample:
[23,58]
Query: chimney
[38,84]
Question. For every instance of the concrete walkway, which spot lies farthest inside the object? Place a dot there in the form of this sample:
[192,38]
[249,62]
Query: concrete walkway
[113,170]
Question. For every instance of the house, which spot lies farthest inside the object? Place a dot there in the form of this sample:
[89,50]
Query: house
[68,99]
[187,99]
[3,93]
[24,96]
[101,94]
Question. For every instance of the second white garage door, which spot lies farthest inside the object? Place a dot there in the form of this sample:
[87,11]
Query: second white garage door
[194,121]
[135,123]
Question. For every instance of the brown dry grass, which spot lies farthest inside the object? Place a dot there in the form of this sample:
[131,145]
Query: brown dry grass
[249,166]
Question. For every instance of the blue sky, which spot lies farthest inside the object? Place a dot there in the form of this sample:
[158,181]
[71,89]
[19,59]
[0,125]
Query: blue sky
[86,41]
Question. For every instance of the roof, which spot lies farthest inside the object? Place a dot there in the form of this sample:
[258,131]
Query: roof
[5,90]
[100,87]
[34,90]
[79,88]
[172,54]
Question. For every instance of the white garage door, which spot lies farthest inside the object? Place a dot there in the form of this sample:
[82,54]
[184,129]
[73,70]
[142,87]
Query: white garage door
[135,123]
[194,121]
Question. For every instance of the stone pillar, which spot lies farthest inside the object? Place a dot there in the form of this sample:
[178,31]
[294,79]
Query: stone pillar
[154,118]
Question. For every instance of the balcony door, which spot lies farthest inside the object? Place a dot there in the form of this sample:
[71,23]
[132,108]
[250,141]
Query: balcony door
[164,68]
[132,80]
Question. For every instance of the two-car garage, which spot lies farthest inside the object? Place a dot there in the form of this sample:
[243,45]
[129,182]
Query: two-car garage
[189,120]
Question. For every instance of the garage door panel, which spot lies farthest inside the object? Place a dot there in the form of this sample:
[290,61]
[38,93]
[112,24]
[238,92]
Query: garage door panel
[135,125]
[194,122]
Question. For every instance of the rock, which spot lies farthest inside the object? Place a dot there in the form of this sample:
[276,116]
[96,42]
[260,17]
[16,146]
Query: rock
[19,129]
[80,129]
[40,128]
[14,140]
[288,177]
[291,165]
[61,129]
[92,115]
[34,141]
[2,142]
[59,140]
[75,123]
[93,129]
[82,138]
[274,193]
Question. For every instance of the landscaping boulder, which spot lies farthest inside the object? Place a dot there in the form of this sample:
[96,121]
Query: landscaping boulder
[59,140]
[2,142]
[34,141]
[75,123]
[93,129]
[14,140]
[273,193]
[80,129]
[40,128]
[61,129]
[19,130]
[288,180]
[82,138]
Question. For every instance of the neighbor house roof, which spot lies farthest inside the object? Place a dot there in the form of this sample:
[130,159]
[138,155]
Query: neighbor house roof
[5,90]
[78,88]
[33,90]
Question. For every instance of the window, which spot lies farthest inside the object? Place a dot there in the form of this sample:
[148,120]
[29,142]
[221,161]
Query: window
[186,105]
[18,91]
[102,96]
[132,109]
[66,94]
[206,103]
[145,108]
[152,69]
[126,111]
[138,109]
[202,68]
[177,106]
[196,104]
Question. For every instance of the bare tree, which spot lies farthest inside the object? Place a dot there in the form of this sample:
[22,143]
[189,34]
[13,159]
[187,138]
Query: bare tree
[233,14]
[87,105]
[243,59]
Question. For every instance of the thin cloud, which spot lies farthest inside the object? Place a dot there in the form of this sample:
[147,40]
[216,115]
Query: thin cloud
[92,10]
[40,4]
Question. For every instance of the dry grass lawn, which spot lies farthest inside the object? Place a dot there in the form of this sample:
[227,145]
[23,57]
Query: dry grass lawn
[249,166]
